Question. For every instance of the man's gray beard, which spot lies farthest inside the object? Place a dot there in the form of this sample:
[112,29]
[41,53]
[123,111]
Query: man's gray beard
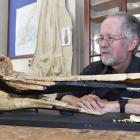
[108,62]
[112,61]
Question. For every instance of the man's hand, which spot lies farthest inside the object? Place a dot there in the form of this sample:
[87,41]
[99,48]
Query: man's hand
[92,102]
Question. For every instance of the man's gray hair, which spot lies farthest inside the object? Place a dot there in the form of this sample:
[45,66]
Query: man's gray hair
[130,26]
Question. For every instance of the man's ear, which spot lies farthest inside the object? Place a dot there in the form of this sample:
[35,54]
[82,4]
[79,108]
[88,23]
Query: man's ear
[133,44]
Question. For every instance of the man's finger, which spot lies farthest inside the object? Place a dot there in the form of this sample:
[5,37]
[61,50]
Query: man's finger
[97,99]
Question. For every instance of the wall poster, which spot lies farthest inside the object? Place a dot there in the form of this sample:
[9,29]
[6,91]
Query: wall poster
[23,22]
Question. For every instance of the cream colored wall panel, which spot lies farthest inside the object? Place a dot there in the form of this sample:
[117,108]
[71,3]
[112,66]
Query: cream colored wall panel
[3,26]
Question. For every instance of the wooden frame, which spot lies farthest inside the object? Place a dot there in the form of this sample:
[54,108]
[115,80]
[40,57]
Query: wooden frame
[87,30]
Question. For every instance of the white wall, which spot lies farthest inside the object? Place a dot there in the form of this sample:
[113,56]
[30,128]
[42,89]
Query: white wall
[22,65]
[70,4]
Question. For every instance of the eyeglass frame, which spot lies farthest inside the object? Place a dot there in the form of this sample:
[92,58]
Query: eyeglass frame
[109,41]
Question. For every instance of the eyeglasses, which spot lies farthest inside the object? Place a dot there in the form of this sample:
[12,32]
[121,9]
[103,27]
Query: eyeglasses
[109,39]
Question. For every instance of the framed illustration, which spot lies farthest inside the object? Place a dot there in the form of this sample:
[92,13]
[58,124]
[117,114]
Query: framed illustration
[23,24]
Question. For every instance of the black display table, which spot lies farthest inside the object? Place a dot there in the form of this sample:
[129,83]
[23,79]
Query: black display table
[55,119]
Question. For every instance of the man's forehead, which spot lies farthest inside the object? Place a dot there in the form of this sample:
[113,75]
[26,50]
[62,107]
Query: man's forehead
[111,25]
[112,19]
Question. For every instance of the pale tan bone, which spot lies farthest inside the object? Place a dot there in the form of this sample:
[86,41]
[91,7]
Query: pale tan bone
[64,105]
[6,67]
[132,77]
[135,118]
[7,102]
[21,86]
[132,118]
[36,83]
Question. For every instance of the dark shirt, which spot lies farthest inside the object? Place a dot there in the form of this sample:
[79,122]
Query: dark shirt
[98,67]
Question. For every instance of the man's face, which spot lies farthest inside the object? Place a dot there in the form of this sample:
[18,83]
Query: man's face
[112,42]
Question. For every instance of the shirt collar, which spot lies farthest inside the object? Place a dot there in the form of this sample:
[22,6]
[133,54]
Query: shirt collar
[134,65]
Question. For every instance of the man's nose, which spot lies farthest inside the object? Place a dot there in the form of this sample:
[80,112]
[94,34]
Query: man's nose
[104,43]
